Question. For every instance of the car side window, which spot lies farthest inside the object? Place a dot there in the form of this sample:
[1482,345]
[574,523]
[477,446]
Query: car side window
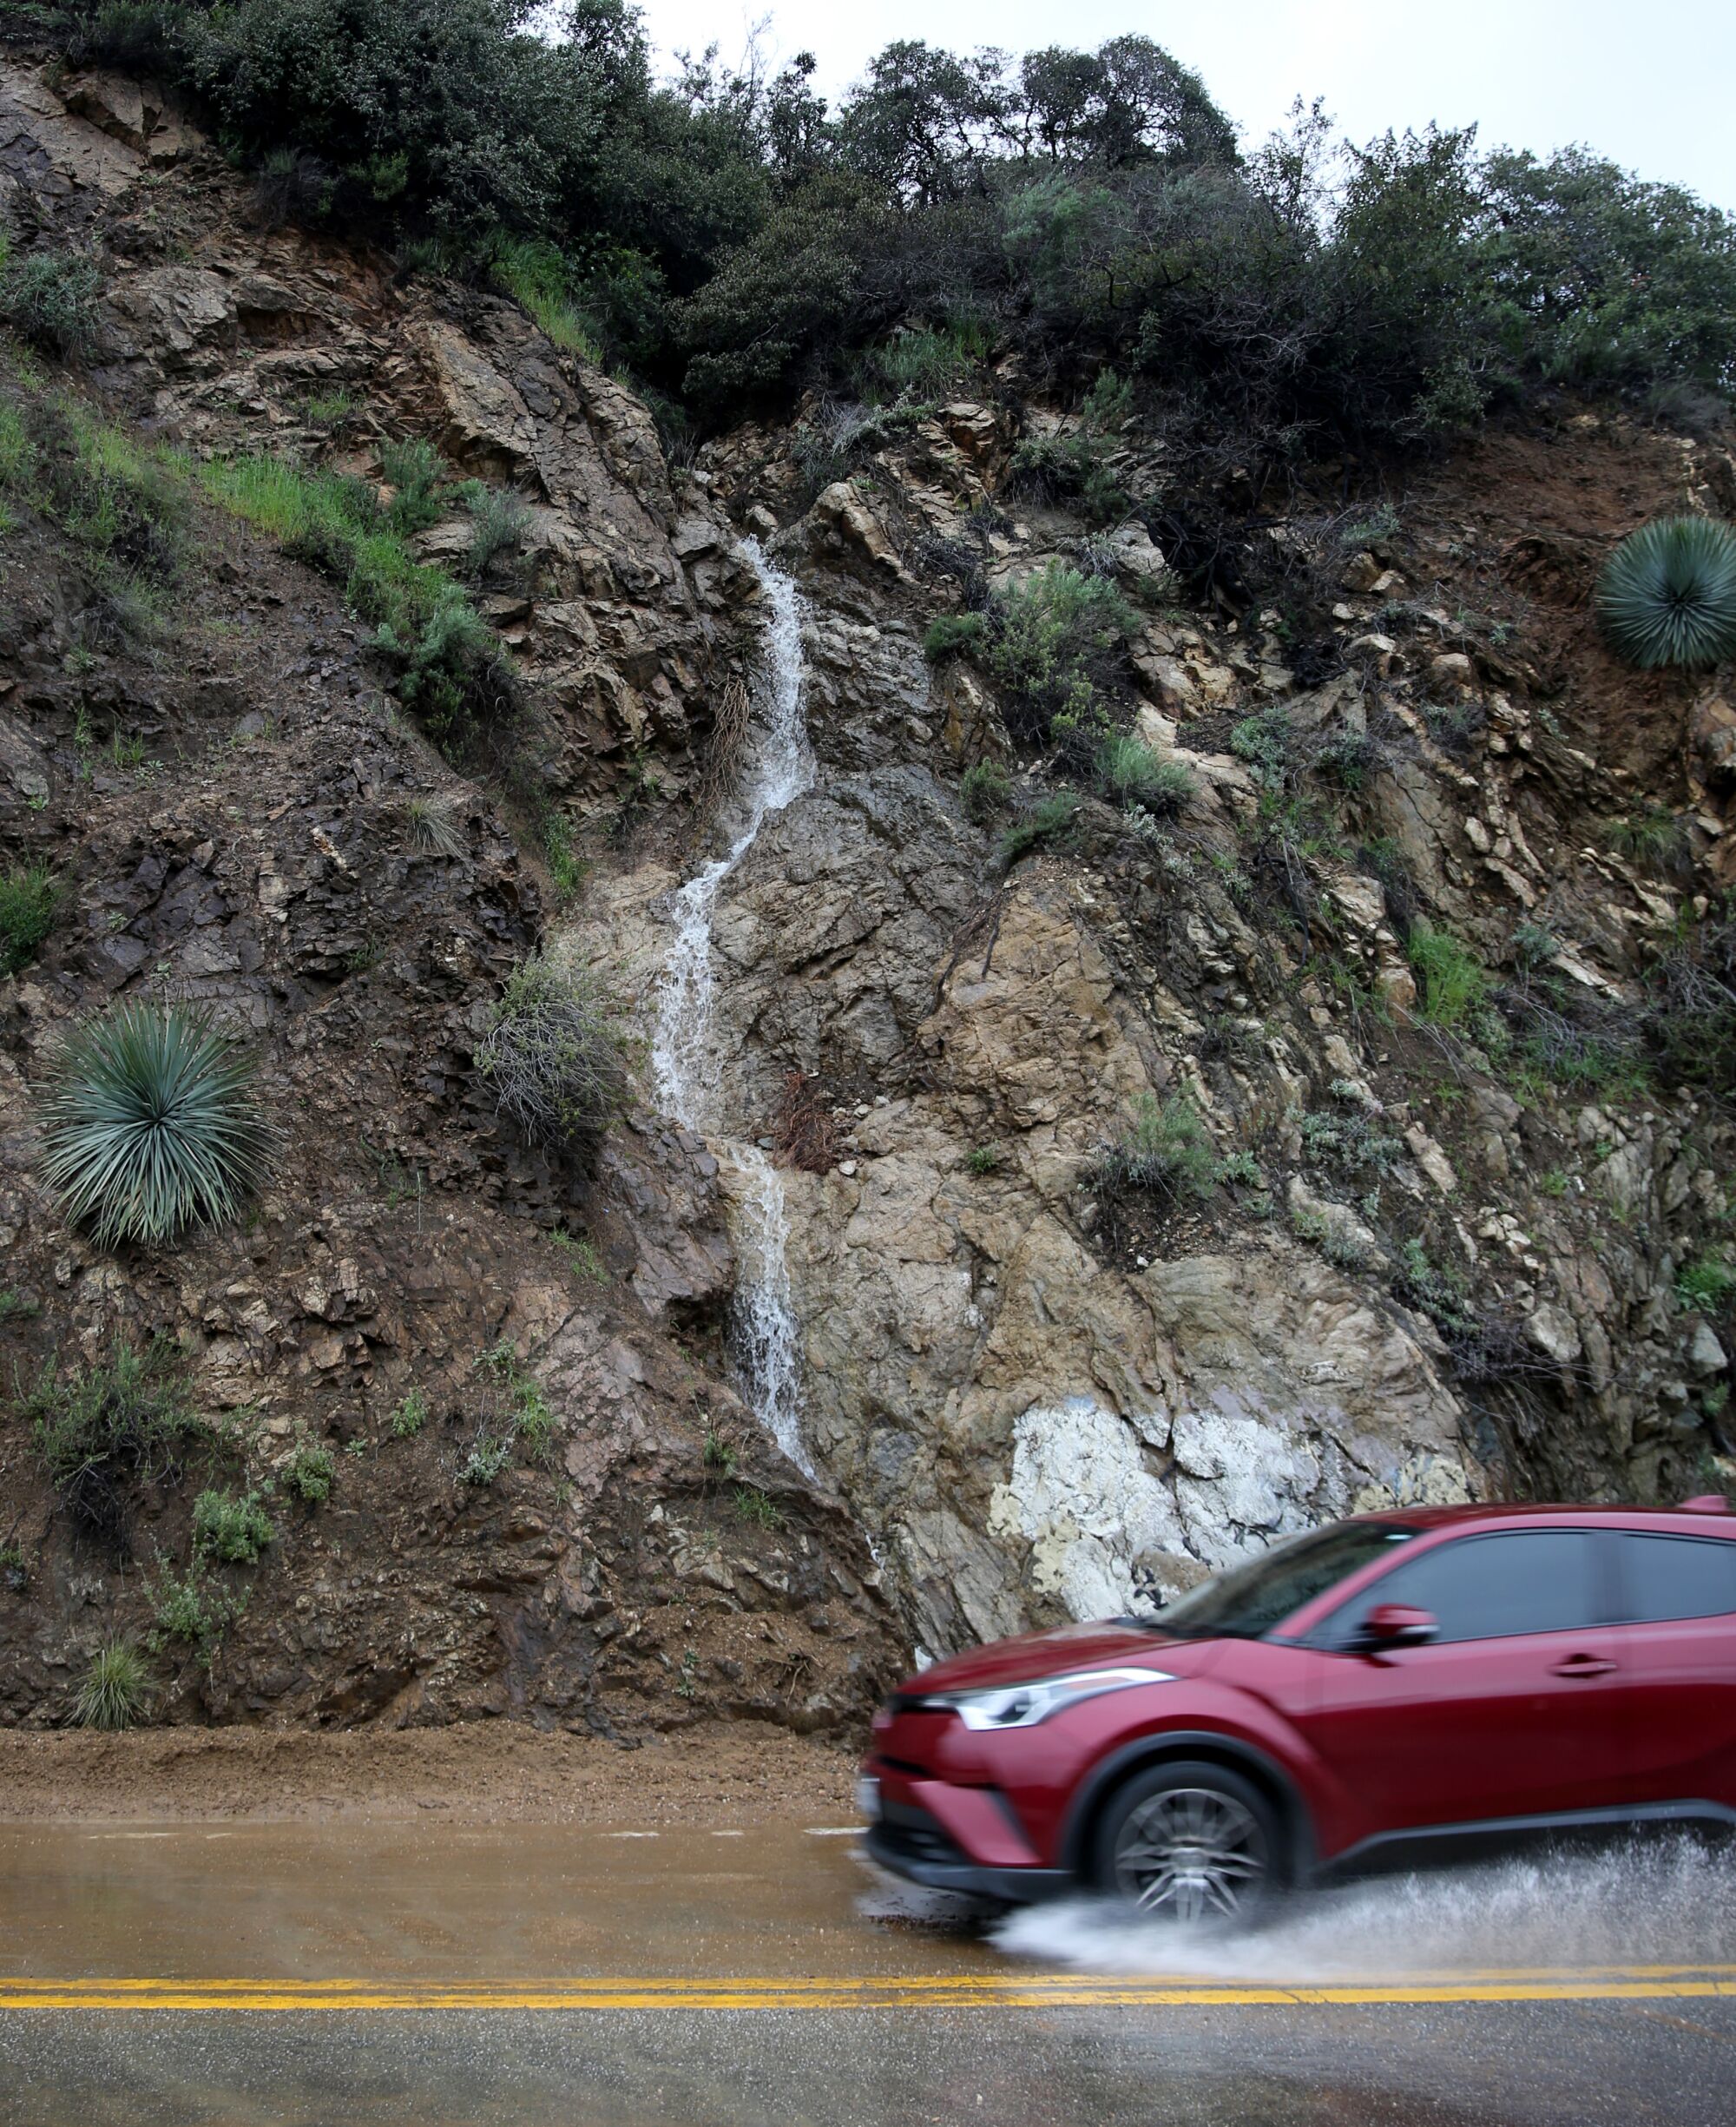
[1487,1588]
[1666,1577]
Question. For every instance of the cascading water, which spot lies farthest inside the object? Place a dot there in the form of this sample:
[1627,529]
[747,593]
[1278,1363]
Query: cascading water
[778,767]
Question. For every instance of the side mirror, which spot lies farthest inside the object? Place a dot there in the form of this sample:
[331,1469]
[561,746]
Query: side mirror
[1396,1624]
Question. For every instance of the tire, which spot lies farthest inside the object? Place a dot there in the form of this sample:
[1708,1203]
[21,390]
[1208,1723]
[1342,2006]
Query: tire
[1186,1843]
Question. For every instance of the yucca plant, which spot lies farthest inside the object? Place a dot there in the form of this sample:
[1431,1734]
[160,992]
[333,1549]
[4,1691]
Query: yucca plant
[1667,595]
[150,1126]
[116,1687]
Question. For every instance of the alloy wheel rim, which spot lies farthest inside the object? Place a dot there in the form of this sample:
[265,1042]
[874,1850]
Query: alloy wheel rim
[1190,1853]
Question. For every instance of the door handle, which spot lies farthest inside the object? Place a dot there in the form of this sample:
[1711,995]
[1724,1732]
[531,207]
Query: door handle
[1582,1665]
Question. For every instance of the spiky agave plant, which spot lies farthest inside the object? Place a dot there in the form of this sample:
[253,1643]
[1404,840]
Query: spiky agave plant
[150,1124]
[1667,595]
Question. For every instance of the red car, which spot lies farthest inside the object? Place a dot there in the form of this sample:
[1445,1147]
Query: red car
[1374,1693]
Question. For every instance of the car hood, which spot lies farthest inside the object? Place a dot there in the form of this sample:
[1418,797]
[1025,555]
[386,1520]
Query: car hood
[1033,1654]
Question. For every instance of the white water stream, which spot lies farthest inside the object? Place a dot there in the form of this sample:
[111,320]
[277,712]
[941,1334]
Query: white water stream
[777,767]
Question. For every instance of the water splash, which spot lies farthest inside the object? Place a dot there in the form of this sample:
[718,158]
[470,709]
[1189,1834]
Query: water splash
[777,767]
[1658,1902]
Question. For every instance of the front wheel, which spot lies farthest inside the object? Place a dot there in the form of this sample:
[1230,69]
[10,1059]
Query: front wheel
[1188,1843]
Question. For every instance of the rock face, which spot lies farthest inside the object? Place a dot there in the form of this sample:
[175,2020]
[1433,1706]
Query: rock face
[1431,1268]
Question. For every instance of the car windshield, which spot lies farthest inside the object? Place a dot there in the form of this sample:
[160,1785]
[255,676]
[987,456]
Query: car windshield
[1248,1601]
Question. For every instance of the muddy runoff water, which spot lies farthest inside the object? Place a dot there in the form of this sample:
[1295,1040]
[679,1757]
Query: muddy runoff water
[465,1902]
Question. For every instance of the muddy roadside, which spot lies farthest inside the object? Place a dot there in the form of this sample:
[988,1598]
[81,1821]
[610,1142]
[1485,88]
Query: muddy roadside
[483,1772]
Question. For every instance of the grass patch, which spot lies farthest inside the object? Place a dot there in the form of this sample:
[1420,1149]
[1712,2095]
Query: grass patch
[953,634]
[985,791]
[527,1416]
[28,900]
[579,1253]
[50,299]
[102,1430]
[451,669]
[1454,985]
[984,1159]
[1050,820]
[757,1507]
[1166,1150]
[437,825]
[117,1689]
[1132,773]
[539,280]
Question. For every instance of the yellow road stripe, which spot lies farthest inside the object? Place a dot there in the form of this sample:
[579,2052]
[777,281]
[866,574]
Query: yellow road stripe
[977,1991]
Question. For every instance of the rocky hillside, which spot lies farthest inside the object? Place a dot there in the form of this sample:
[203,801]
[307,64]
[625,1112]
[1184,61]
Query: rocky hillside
[1307,1098]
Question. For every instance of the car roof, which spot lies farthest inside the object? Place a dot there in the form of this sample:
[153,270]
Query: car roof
[1503,1513]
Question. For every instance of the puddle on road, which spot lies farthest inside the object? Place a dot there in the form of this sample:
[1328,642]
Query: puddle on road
[1669,1902]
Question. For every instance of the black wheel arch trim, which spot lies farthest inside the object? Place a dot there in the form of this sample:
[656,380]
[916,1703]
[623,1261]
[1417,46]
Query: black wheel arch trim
[1420,1844]
[1153,1749]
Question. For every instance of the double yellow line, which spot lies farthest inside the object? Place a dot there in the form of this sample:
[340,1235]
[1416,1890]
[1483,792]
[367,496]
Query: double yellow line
[968,1990]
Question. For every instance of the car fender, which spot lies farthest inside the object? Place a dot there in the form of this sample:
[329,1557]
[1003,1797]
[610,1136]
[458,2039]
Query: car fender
[1158,1744]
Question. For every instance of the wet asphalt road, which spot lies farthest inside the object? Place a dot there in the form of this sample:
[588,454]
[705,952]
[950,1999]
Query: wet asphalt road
[531,1975]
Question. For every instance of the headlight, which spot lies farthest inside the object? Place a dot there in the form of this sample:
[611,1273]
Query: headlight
[1022,1706]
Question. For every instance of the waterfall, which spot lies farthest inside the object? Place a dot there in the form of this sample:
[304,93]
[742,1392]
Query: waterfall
[778,766]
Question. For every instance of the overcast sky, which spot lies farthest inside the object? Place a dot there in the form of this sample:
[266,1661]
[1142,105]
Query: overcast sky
[1652,85]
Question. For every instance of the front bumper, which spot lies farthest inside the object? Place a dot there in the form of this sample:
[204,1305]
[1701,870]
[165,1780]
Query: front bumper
[913,1843]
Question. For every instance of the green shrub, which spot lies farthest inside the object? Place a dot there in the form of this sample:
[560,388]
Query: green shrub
[149,1125]
[451,667]
[984,1159]
[1053,640]
[28,898]
[490,1453]
[102,1428]
[1263,741]
[1049,821]
[499,523]
[413,468]
[411,1416]
[50,301]
[1131,772]
[309,1472]
[984,790]
[1349,1142]
[1455,987]
[117,1689]
[233,1529]
[190,1608]
[953,634]
[551,1056]
[720,1452]
[1667,595]
[1707,1285]
[1166,1150]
